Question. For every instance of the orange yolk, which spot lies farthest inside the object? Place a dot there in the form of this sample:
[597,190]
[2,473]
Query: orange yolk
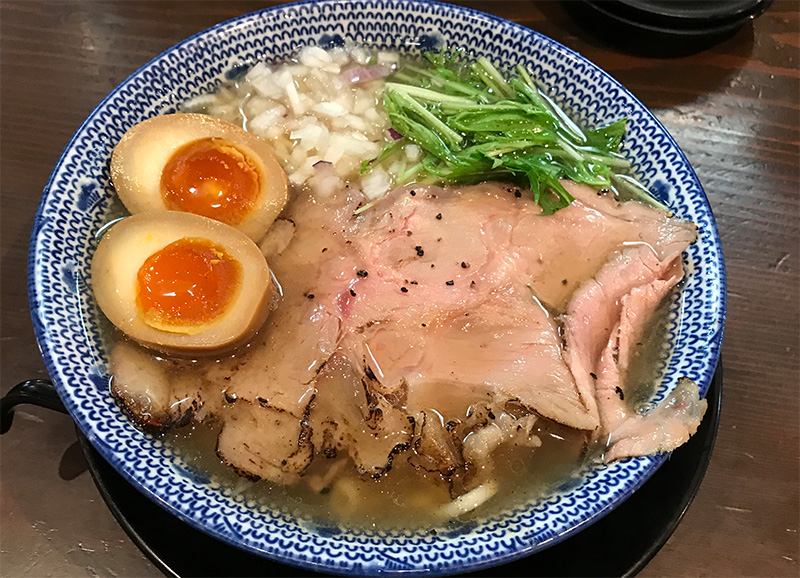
[187,284]
[212,178]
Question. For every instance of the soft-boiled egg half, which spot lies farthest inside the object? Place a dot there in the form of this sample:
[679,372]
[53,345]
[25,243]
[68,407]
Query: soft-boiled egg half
[202,165]
[180,282]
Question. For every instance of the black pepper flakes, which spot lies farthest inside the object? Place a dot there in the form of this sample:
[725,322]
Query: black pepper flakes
[408,233]
[464,265]
[439,216]
[412,193]
[620,393]
[404,289]
[413,283]
[472,284]
[353,293]
[362,273]
[517,193]
[324,249]
[593,374]
[310,295]
[424,324]
[419,250]
[563,281]
[451,282]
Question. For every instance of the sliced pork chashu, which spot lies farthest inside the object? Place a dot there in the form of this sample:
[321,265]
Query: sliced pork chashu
[447,303]
[569,247]
[350,417]
[462,283]
[508,345]
[605,323]
[434,299]
[269,389]
[157,394]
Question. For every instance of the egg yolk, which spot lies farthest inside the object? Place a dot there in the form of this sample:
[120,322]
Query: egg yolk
[213,178]
[187,284]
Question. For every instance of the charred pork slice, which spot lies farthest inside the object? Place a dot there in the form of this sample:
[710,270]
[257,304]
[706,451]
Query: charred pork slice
[269,389]
[350,417]
[156,394]
[268,393]
[264,442]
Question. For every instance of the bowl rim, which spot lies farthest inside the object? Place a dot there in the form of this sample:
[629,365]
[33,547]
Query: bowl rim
[528,34]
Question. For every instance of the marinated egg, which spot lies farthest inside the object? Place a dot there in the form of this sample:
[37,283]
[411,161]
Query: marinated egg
[203,165]
[180,282]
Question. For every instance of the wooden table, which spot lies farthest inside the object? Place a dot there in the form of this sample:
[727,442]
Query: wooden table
[733,108]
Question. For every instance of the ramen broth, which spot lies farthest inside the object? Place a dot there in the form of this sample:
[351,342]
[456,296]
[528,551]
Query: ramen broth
[332,490]
[405,498]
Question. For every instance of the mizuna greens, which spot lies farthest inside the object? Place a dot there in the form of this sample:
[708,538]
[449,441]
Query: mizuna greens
[473,124]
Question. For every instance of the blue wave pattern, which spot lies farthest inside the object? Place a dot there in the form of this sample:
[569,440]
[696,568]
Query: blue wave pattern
[76,202]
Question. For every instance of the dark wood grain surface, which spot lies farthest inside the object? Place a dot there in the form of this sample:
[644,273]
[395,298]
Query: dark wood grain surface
[734,108]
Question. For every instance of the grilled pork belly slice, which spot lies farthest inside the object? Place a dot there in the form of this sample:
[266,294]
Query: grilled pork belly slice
[264,442]
[350,417]
[269,389]
[155,393]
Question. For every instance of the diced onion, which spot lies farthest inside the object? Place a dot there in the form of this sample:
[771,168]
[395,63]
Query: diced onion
[322,113]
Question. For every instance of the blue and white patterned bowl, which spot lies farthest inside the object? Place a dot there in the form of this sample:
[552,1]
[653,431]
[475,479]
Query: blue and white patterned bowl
[77,200]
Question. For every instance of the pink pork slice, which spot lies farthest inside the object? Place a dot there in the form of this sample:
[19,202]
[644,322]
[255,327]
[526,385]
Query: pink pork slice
[508,346]
[451,268]
[605,318]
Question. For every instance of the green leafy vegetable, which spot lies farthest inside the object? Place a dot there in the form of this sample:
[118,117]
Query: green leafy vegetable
[474,124]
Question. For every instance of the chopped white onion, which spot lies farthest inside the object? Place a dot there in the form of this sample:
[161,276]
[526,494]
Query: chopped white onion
[329,109]
[270,117]
[376,183]
[413,152]
[309,113]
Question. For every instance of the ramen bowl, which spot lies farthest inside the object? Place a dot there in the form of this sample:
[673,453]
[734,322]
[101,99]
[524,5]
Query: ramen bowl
[79,199]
